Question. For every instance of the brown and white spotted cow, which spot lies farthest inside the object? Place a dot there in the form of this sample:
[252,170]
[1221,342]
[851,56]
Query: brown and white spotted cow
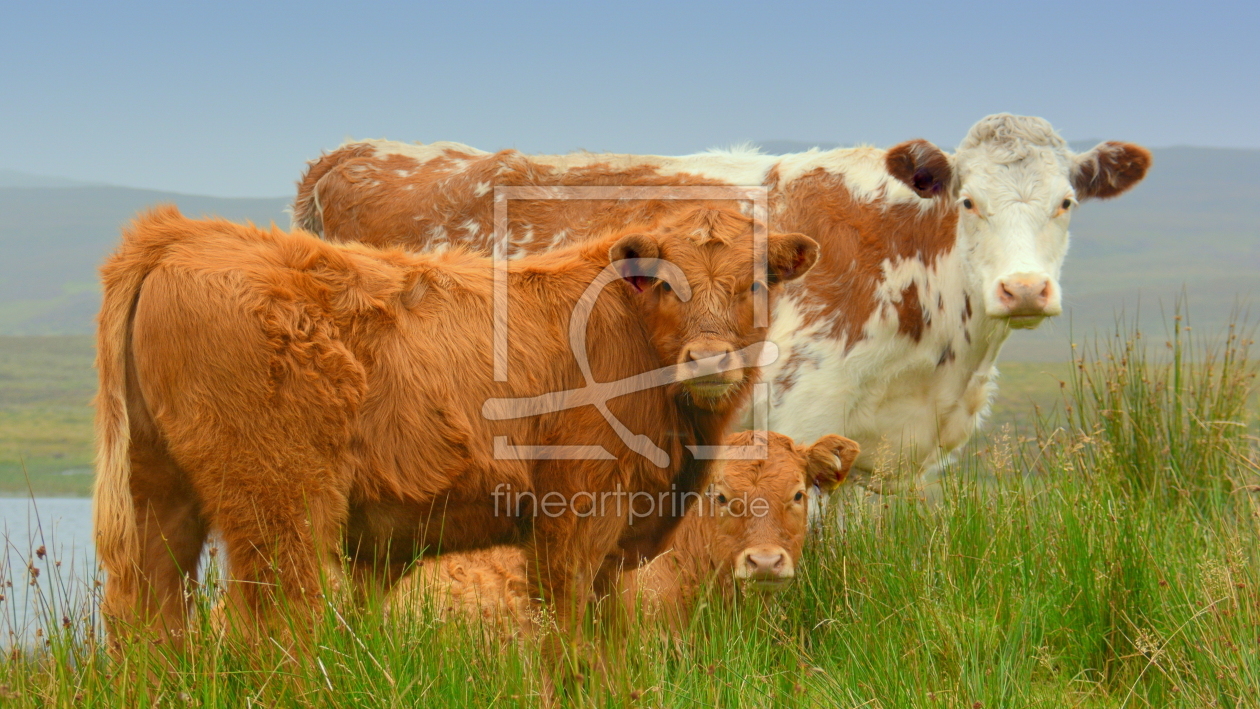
[929,260]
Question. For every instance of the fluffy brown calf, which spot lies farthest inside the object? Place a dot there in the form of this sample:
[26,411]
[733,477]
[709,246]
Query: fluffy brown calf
[308,400]
[750,525]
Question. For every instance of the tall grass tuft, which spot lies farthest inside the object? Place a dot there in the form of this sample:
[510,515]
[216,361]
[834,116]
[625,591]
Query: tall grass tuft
[1169,418]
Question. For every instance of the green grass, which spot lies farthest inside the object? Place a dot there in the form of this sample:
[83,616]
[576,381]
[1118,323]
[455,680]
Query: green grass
[1110,562]
[46,386]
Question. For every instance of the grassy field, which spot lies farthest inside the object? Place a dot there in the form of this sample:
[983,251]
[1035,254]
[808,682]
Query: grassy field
[46,385]
[1112,562]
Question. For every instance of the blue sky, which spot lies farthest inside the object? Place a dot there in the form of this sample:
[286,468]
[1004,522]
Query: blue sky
[230,99]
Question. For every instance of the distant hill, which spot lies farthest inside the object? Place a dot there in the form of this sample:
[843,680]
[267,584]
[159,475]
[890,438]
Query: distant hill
[1195,221]
[11,178]
[783,147]
[52,239]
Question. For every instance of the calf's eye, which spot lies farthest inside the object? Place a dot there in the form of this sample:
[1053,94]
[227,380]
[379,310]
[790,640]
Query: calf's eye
[721,499]
[665,286]
[968,204]
[755,287]
[800,495]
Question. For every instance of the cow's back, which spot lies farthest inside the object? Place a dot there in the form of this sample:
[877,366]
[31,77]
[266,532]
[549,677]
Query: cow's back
[441,195]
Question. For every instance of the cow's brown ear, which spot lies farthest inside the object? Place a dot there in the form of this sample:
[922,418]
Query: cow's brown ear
[923,167]
[829,461]
[791,256]
[635,246]
[1109,170]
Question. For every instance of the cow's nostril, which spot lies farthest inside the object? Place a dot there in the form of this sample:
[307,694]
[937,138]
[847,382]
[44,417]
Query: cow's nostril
[766,562]
[695,355]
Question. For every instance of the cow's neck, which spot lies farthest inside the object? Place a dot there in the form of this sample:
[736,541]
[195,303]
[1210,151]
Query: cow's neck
[901,362]
[689,555]
[687,424]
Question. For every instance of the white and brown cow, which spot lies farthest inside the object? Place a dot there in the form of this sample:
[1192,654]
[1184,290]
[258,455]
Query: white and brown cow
[929,260]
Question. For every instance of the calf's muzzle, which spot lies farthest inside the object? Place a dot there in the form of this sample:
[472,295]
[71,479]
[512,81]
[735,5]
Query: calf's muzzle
[765,567]
[707,358]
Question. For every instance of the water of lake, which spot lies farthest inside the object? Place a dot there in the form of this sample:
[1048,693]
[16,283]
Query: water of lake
[59,584]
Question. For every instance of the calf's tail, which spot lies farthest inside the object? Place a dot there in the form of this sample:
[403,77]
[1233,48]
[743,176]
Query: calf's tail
[113,508]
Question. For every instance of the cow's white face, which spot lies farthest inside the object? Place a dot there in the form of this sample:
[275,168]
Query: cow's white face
[1014,203]
[1015,184]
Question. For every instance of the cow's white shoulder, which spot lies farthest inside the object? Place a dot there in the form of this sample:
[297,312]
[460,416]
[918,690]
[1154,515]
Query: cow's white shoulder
[862,169]
[420,152]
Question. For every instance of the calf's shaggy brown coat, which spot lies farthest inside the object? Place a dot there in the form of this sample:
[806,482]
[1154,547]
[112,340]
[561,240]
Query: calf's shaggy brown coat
[310,401]
[750,525]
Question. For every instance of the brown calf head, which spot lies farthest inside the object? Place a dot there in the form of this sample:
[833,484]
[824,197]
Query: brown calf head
[760,508]
[698,305]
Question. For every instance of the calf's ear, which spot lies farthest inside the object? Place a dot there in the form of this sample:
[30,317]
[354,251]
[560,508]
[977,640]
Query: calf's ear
[1109,170]
[923,167]
[829,461]
[635,246]
[790,256]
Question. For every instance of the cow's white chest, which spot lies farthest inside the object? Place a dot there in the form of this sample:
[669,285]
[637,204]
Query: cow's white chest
[901,400]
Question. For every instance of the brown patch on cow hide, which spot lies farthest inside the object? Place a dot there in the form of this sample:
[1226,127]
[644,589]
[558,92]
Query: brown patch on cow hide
[306,211]
[791,371]
[856,238]
[912,320]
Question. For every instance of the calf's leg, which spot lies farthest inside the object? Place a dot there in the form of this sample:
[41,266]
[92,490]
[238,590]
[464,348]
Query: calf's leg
[156,594]
[283,553]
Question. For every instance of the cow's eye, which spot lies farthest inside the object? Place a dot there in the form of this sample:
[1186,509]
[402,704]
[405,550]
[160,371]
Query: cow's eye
[721,499]
[756,287]
[968,204]
[800,495]
[1067,204]
[665,286]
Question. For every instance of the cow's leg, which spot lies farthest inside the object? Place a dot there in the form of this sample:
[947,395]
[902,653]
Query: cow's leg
[282,547]
[171,533]
[563,563]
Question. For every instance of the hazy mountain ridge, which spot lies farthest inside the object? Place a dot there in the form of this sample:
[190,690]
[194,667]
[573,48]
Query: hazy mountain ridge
[1195,221]
[13,178]
[54,238]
